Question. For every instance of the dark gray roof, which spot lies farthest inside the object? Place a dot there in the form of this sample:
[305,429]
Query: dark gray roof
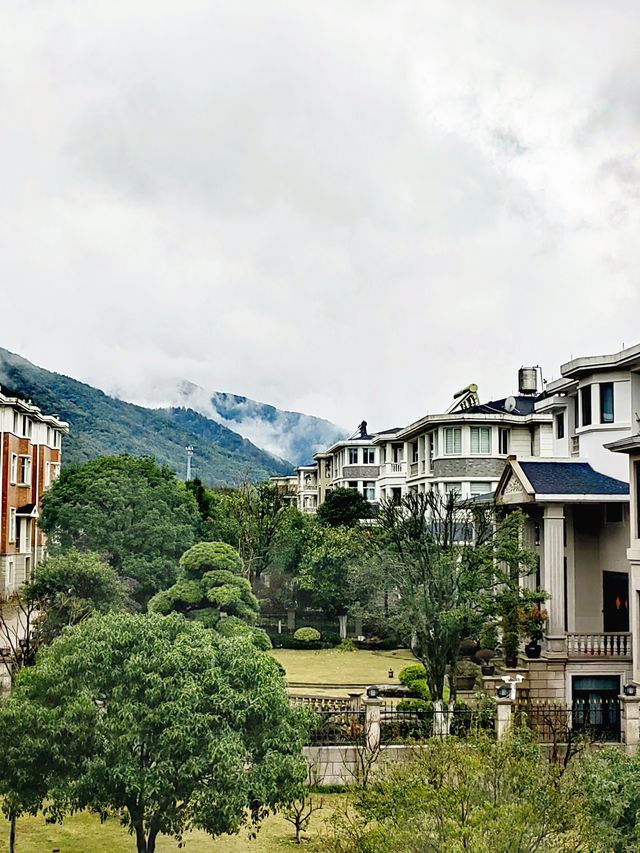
[389,431]
[571,478]
[524,406]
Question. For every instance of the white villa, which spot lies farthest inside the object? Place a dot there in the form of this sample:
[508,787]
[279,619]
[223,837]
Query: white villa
[564,453]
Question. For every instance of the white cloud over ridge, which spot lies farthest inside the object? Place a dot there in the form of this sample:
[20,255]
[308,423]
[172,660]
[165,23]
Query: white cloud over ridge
[345,208]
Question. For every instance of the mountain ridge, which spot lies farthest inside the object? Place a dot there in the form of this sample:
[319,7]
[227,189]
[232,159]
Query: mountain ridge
[101,424]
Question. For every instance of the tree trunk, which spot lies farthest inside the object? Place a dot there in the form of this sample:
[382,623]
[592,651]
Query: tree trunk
[141,840]
[12,834]
[151,844]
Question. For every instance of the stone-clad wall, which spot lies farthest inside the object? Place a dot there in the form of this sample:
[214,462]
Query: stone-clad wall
[338,765]
[491,469]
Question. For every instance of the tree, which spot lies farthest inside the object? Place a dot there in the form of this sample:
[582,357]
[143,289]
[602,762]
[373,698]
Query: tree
[70,588]
[343,508]
[211,589]
[449,561]
[325,570]
[138,516]
[461,795]
[159,721]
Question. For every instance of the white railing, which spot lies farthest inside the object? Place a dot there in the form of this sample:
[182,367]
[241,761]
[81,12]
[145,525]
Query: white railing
[575,445]
[392,468]
[611,645]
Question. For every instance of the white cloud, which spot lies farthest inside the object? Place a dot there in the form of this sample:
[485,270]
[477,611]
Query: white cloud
[348,208]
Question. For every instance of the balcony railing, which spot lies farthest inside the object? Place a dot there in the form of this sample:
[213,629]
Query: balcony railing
[609,645]
[413,469]
[392,468]
[575,445]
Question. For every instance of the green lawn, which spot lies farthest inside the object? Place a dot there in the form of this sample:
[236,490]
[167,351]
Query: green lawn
[83,833]
[346,670]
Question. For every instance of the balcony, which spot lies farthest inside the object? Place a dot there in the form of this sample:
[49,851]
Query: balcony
[609,645]
[390,468]
[413,469]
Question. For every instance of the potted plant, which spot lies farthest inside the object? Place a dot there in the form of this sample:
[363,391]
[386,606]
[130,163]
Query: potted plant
[532,620]
[510,642]
[485,657]
[466,674]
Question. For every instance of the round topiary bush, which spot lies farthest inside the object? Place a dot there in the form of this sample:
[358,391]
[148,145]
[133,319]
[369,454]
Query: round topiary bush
[209,556]
[307,635]
[414,677]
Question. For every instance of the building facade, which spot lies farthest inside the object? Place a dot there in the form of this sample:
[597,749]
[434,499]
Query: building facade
[30,455]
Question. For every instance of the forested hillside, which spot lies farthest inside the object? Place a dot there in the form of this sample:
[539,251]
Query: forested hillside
[101,425]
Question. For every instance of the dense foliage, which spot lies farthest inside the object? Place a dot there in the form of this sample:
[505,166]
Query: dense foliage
[138,516]
[105,426]
[343,508]
[211,589]
[154,719]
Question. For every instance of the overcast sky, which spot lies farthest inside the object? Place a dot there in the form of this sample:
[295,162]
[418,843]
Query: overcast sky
[348,208]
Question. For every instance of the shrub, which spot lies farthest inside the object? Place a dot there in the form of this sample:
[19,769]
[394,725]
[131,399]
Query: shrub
[307,635]
[411,673]
[467,669]
[347,645]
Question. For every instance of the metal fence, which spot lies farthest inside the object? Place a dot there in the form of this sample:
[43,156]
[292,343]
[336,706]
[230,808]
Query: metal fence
[339,727]
[401,724]
[597,720]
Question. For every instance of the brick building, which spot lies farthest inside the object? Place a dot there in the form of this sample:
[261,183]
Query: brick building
[30,449]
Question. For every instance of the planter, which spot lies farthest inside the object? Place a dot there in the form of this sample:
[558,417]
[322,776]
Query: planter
[465,682]
[511,661]
[533,649]
[488,669]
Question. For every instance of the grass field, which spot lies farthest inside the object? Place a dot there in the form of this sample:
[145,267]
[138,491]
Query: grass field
[346,670]
[83,833]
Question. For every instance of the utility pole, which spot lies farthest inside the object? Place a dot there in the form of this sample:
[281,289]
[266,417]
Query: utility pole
[189,450]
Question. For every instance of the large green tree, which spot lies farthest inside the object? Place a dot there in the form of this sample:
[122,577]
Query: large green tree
[330,555]
[343,508]
[212,590]
[447,563]
[157,720]
[138,516]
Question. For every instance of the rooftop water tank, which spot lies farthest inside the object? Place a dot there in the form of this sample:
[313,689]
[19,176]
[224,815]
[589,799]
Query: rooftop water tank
[528,380]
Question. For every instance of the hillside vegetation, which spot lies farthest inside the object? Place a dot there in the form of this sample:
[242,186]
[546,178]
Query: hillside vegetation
[102,425]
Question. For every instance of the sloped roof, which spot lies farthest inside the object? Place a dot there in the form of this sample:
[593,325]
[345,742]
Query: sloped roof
[571,478]
[524,406]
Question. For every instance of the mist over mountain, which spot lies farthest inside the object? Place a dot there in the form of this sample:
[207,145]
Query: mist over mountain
[287,435]
[104,425]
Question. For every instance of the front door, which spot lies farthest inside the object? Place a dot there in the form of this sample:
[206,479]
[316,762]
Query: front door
[615,600]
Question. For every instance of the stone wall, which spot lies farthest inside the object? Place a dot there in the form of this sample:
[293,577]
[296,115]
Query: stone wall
[341,765]
[468,467]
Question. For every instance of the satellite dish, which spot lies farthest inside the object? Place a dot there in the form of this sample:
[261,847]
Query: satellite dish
[510,404]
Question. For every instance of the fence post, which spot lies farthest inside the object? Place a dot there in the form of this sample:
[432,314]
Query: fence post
[291,620]
[504,709]
[354,700]
[372,714]
[630,722]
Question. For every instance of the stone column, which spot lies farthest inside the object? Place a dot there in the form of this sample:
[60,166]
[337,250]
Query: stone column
[354,700]
[630,722]
[554,578]
[342,620]
[504,709]
[373,712]
[633,556]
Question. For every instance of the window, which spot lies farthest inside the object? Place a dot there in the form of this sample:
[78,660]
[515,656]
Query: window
[353,455]
[27,568]
[481,439]
[414,451]
[606,402]
[560,425]
[327,469]
[49,436]
[56,438]
[16,423]
[585,401]
[368,456]
[352,484]
[12,524]
[453,440]
[369,490]
[480,488]
[24,471]
[11,572]
[55,471]
[503,441]
[453,488]
[14,468]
